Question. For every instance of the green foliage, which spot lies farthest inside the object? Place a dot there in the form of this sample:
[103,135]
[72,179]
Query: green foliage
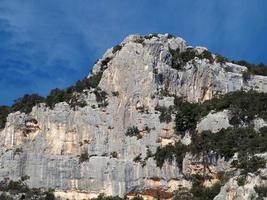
[170,36]
[84,157]
[4,111]
[138,158]
[55,96]
[201,192]
[165,113]
[254,69]
[150,36]
[221,59]
[115,93]
[5,196]
[225,143]
[133,131]
[103,197]
[187,116]
[18,151]
[241,180]
[137,198]
[187,55]
[116,48]
[183,195]
[261,191]
[49,196]
[105,62]
[114,154]
[101,98]
[246,76]
[175,58]
[179,59]
[244,106]
[20,188]
[249,164]
[206,54]
[13,187]
[66,95]
[149,154]
[169,153]
[229,141]
[24,178]
[27,102]
[139,40]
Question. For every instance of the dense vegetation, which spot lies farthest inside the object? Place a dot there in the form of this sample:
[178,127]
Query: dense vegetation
[103,197]
[244,140]
[244,107]
[225,143]
[27,102]
[165,113]
[4,111]
[170,153]
[254,69]
[9,187]
[261,191]
[179,59]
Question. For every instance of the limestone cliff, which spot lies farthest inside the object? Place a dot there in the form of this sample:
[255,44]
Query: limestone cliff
[85,151]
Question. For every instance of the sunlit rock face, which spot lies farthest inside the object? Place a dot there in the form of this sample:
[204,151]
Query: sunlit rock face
[48,144]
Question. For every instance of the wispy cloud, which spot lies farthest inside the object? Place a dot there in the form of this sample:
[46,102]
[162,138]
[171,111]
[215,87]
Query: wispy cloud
[52,43]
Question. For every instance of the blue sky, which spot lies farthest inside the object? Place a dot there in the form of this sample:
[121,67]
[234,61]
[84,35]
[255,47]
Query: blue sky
[53,43]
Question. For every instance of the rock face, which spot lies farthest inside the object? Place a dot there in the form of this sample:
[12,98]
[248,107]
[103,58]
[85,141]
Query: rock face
[83,152]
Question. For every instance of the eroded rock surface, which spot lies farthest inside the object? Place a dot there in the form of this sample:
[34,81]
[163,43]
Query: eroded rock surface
[47,145]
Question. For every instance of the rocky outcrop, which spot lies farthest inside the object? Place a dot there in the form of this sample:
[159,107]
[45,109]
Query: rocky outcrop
[83,152]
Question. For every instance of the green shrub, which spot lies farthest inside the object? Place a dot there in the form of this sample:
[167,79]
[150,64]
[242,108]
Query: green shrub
[165,114]
[132,131]
[49,196]
[5,196]
[244,106]
[229,141]
[55,96]
[221,59]
[201,192]
[187,115]
[116,48]
[246,76]
[138,158]
[84,157]
[254,69]
[18,151]
[249,165]
[169,153]
[150,36]
[137,198]
[4,112]
[241,180]
[261,191]
[176,63]
[94,80]
[114,154]
[208,55]
[101,98]
[149,154]
[103,197]
[179,59]
[105,62]
[115,94]
[27,102]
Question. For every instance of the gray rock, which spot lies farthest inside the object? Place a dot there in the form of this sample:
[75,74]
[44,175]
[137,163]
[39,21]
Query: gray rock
[49,151]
